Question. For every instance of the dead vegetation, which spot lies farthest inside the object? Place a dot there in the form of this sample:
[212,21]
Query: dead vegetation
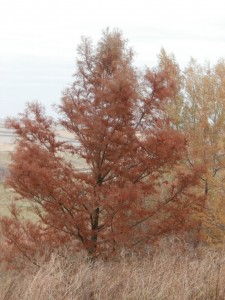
[174,272]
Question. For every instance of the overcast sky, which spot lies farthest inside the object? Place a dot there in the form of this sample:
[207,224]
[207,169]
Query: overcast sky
[38,39]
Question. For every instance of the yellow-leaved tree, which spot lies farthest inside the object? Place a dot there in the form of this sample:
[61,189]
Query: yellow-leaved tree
[197,109]
[204,123]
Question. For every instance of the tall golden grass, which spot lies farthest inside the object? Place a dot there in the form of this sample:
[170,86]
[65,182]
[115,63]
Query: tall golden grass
[172,273]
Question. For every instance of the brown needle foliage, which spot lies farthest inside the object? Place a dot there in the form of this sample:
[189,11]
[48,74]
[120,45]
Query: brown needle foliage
[133,190]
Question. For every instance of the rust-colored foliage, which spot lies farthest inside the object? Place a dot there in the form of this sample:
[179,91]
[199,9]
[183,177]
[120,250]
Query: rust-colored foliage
[133,190]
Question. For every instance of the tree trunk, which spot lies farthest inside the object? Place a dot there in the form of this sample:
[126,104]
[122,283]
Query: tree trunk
[94,234]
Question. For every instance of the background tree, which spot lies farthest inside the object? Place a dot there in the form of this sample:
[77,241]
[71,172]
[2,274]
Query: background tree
[134,189]
[198,112]
[204,122]
[174,105]
[175,109]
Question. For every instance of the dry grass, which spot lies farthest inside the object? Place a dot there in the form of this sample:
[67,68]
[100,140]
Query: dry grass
[170,274]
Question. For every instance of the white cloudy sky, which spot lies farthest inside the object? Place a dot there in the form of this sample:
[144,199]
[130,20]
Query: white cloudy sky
[38,39]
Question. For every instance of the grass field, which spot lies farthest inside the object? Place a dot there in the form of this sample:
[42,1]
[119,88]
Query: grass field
[6,198]
[6,147]
[173,273]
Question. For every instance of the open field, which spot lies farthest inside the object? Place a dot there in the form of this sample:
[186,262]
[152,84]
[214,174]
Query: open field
[6,198]
[6,147]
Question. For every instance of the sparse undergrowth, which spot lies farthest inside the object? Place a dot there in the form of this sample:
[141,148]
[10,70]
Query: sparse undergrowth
[172,273]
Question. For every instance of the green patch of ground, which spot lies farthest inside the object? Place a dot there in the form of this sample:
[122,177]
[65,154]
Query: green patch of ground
[4,158]
[7,196]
